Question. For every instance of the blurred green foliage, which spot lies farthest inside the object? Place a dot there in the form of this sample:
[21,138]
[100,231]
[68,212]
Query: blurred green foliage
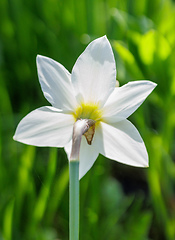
[117,202]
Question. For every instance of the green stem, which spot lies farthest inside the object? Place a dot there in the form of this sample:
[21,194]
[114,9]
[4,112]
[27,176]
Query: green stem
[73,200]
[80,127]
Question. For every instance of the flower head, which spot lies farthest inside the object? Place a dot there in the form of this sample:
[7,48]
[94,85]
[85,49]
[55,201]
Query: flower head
[90,92]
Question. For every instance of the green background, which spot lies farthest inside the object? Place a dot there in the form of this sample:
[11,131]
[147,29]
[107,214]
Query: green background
[117,201]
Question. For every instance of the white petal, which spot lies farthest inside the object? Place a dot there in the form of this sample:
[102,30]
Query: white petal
[122,142]
[126,99]
[56,84]
[88,154]
[68,149]
[45,126]
[94,73]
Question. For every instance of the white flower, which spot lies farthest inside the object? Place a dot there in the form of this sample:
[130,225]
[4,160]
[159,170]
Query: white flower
[88,93]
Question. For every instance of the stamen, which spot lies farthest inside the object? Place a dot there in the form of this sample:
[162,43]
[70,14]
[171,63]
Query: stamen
[89,134]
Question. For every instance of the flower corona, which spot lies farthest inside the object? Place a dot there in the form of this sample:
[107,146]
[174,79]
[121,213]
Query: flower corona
[88,111]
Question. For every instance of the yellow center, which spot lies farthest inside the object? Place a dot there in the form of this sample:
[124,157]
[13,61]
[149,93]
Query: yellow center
[88,111]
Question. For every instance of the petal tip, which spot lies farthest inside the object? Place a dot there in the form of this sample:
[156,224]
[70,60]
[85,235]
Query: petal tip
[155,84]
[16,135]
[38,56]
[103,38]
[14,138]
[146,163]
[150,83]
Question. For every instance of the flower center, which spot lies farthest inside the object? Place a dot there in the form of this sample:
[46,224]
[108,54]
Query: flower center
[89,111]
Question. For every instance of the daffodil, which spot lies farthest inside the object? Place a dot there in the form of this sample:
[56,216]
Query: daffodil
[90,93]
